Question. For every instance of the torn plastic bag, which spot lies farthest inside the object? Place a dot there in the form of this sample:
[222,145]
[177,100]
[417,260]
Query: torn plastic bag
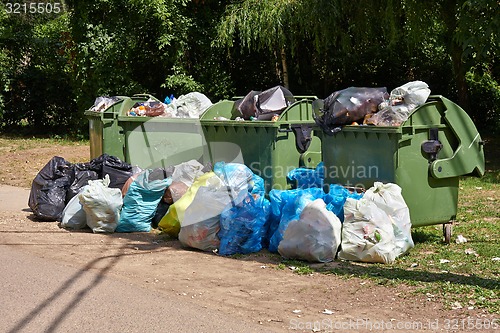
[102,103]
[242,226]
[246,105]
[314,237]
[412,94]
[273,102]
[102,205]
[292,203]
[141,201]
[306,178]
[367,233]
[388,197]
[73,215]
[347,106]
[119,172]
[47,197]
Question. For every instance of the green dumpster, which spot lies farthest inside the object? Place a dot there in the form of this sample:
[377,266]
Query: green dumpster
[148,142]
[105,135]
[269,148]
[425,156]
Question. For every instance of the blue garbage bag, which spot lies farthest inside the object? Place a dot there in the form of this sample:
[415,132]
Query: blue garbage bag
[291,202]
[306,178]
[237,175]
[242,225]
[336,197]
[140,202]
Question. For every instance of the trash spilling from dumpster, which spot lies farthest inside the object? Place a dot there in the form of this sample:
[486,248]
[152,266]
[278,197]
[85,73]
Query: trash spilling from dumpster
[369,106]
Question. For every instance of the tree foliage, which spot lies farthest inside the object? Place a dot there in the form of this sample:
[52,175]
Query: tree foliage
[53,66]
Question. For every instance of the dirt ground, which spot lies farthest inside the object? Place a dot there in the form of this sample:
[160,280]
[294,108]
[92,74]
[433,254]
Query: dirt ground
[253,287]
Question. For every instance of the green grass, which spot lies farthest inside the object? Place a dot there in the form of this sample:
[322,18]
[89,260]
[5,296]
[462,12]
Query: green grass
[469,279]
[17,143]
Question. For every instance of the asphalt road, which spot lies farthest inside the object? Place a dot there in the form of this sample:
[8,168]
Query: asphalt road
[42,295]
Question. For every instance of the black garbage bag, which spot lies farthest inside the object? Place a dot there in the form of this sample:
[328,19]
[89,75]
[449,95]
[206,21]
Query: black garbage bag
[48,190]
[266,104]
[246,105]
[273,102]
[346,106]
[82,175]
[119,171]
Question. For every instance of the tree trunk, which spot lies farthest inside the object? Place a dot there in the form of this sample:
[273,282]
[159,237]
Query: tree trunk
[284,66]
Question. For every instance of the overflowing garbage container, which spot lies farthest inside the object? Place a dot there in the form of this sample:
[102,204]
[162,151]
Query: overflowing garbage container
[425,155]
[148,135]
[270,144]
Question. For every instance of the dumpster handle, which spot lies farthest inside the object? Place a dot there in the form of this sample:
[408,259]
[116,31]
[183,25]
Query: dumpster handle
[468,157]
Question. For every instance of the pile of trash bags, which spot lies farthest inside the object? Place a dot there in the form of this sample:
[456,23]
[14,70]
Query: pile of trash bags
[224,209]
[369,106]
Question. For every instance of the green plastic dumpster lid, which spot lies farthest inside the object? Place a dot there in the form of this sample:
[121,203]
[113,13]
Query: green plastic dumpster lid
[468,157]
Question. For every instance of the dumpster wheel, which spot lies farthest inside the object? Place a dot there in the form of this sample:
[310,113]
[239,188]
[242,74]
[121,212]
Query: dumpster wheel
[447,231]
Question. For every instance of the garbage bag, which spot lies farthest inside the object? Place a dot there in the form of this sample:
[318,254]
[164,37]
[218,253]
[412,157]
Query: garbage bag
[314,237]
[367,233]
[81,178]
[183,177]
[141,201]
[102,103]
[292,203]
[160,211]
[305,178]
[242,225]
[170,223]
[191,105]
[201,221]
[402,101]
[388,197]
[48,191]
[73,215]
[349,105]
[239,179]
[247,105]
[336,197]
[119,171]
[102,205]
[273,102]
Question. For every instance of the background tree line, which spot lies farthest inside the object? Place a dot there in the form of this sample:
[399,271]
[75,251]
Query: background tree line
[54,65]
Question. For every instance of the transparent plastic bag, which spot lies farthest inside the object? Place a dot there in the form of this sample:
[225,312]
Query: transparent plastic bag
[367,233]
[314,237]
[102,205]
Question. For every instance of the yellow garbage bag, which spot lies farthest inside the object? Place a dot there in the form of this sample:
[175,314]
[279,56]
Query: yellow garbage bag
[171,222]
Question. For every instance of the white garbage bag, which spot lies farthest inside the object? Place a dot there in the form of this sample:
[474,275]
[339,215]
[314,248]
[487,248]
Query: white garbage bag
[73,215]
[314,237]
[388,197]
[367,233]
[102,205]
